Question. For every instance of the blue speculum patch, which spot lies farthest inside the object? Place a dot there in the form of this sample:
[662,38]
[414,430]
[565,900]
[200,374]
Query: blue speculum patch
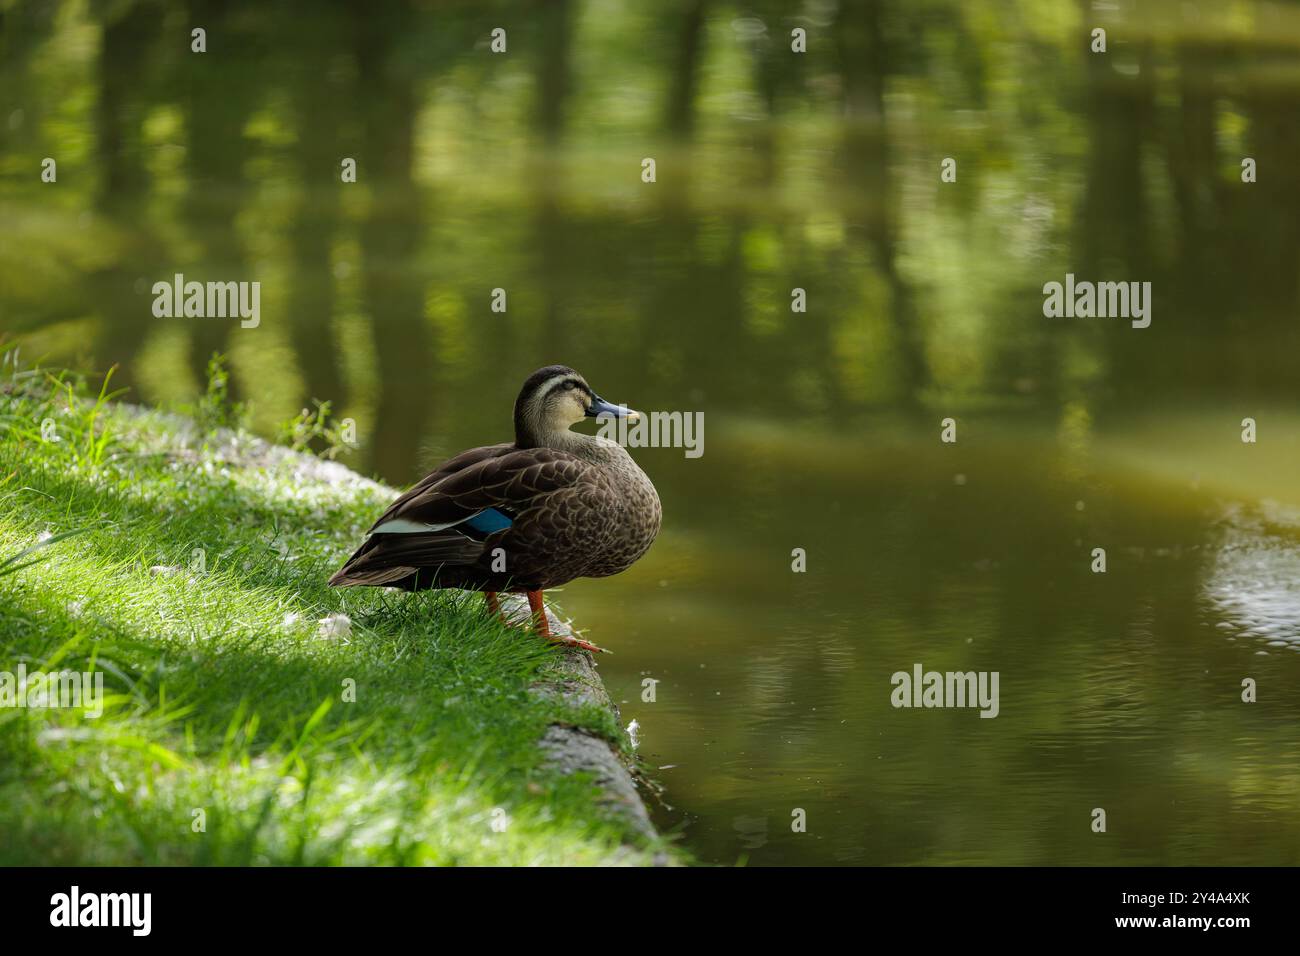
[489,520]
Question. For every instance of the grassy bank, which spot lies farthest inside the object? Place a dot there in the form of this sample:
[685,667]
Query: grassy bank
[187,564]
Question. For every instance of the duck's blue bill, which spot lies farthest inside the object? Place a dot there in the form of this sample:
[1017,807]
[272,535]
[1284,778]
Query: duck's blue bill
[601,407]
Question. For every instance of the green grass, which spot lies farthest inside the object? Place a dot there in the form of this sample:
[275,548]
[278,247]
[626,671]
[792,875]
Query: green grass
[222,695]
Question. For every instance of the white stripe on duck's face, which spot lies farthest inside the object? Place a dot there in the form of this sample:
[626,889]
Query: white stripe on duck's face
[559,403]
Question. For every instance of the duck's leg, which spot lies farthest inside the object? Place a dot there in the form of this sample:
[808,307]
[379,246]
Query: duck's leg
[543,627]
[494,606]
[540,624]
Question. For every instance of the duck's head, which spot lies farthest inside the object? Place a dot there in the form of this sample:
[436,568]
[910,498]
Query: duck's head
[552,400]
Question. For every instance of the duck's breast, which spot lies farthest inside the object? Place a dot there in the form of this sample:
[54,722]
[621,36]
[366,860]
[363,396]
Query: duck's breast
[633,513]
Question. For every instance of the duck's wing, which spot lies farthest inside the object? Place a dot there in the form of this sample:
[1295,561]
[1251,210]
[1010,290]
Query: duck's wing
[425,504]
[451,519]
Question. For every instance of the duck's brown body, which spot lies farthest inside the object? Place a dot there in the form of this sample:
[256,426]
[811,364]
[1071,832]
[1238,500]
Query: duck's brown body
[589,514]
[554,506]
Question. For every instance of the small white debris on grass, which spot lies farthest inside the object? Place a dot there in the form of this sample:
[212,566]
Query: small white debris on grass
[164,570]
[291,620]
[335,627]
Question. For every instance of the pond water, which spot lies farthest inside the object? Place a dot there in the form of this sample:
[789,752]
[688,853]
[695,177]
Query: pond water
[1119,691]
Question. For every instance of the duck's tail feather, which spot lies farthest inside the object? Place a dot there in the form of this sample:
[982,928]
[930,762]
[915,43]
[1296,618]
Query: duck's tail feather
[389,559]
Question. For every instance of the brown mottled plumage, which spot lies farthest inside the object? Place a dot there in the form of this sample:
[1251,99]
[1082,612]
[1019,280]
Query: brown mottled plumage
[577,506]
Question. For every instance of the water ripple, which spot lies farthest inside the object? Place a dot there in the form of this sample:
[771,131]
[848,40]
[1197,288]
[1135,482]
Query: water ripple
[1254,584]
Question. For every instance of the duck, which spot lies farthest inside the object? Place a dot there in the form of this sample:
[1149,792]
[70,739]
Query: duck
[521,517]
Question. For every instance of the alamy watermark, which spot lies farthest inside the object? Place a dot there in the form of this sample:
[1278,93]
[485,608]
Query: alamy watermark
[1102,300]
[922,688]
[39,690]
[656,430]
[208,300]
[75,908]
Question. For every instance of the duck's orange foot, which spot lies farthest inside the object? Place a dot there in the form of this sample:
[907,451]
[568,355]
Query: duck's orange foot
[543,628]
[577,642]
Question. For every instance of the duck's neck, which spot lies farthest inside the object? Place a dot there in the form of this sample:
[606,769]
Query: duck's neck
[590,448]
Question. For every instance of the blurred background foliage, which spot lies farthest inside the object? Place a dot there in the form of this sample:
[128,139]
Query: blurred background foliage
[775,171]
